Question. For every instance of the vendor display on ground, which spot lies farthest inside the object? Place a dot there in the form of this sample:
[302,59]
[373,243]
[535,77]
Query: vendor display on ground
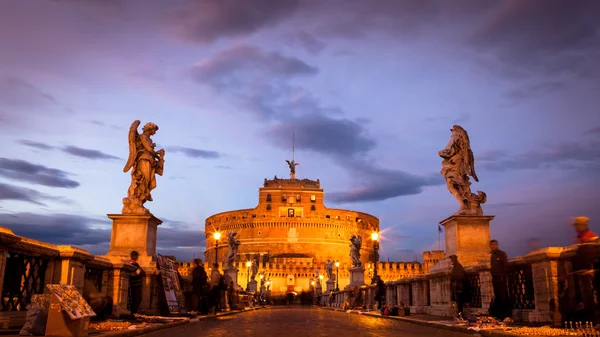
[71,301]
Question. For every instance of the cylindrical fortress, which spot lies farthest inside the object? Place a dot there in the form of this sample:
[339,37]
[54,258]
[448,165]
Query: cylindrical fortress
[291,229]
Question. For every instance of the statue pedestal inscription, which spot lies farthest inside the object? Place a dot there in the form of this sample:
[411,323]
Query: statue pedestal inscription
[467,237]
[252,286]
[133,232]
[330,284]
[357,277]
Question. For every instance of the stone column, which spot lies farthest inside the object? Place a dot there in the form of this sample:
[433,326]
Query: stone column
[544,265]
[71,268]
[118,287]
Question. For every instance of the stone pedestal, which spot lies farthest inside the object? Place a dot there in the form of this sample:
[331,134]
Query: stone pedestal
[133,232]
[357,277]
[467,237]
[330,286]
[232,272]
[252,286]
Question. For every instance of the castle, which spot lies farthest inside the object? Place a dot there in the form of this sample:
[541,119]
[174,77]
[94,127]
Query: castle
[291,234]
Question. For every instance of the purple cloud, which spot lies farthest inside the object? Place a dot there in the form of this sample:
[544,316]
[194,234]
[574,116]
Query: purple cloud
[207,21]
[195,153]
[35,174]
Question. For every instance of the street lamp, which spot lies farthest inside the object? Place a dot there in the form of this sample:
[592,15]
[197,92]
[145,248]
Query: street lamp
[321,280]
[375,238]
[337,274]
[217,237]
[248,265]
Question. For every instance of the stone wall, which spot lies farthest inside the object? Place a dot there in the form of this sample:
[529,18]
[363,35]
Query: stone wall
[27,266]
[534,285]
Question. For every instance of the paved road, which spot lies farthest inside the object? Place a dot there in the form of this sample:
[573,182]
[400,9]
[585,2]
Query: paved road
[301,321]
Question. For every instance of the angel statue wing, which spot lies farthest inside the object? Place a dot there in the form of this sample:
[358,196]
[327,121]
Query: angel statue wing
[469,158]
[289,163]
[132,148]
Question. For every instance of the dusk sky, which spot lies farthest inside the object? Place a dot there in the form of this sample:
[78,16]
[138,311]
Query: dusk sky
[370,88]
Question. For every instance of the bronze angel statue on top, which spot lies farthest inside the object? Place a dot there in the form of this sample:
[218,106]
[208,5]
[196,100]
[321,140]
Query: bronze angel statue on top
[457,165]
[144,163]
[292,164]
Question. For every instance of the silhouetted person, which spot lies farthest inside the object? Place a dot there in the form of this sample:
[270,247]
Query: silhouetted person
[135,283]
[200,287]
[585,269]
[501,306]
[380,293]
[215,288]
[459,285]
[102,305]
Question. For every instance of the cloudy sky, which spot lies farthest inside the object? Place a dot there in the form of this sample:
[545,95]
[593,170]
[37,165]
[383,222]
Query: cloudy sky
[370,88]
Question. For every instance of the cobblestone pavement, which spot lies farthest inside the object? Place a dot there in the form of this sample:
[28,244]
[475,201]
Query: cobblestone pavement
[301,321]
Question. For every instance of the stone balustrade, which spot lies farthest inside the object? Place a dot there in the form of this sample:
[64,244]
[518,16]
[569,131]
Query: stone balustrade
[535,281]
[27,265]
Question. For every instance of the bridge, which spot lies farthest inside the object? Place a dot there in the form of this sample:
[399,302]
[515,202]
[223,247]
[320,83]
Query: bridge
[302,321]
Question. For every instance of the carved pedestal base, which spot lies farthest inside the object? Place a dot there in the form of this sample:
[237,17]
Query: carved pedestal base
[467,237]
[133,232]
[357,277]
[252,286]
[330,286]
[231,274]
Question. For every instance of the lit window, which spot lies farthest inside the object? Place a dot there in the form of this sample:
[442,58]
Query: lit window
[313,198]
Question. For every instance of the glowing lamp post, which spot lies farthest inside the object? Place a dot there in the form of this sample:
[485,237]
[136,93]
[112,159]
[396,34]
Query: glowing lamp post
[248,265]
[375,238]
[217,237]
[320,280]
[337,276]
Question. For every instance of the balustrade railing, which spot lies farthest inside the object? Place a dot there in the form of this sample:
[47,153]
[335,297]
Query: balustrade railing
[24,277]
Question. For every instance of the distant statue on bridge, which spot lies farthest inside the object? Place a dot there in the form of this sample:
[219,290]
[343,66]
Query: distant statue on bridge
[457,165]
[144,163]
[254,270]
[233,244]
[355,245]
[329,269]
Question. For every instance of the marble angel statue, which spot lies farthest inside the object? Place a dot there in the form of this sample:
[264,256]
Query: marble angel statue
[458,165]
[329,269]
[144,163]
[233,244]
[254,270]
[355,245]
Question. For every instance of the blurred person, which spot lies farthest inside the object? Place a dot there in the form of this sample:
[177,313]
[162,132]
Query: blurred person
[459,285]
[135,283]
[584,234]
[215,289]
[200,288]
[501,306]
[101,304]
[585,269]
[380,293]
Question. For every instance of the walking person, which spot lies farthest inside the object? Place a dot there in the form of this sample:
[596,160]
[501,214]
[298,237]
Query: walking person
[199,288]
[215,289]
[585,270]
[501,306]
[135,283]
[458,285]
[380,293]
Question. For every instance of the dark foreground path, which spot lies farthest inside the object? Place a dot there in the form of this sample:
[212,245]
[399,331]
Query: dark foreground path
[301,322]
